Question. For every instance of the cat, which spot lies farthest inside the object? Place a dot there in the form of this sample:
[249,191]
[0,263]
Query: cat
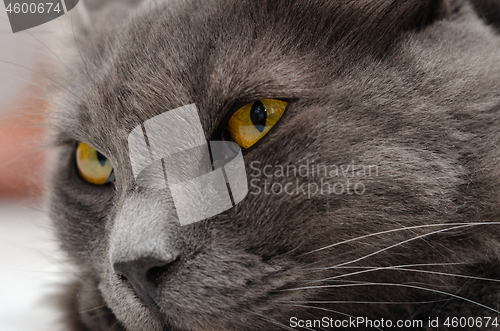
[373,202]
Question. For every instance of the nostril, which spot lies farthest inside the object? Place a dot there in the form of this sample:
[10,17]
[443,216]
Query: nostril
[154,275]
[122,278]
[145,275]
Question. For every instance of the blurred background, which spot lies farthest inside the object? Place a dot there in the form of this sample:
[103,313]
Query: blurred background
[31,269]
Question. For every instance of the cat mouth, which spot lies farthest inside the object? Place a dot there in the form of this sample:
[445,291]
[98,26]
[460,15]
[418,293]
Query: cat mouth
[187,300]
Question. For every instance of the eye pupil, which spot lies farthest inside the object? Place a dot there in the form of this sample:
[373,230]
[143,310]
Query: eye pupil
[101,158]
[254,120]
[258,115]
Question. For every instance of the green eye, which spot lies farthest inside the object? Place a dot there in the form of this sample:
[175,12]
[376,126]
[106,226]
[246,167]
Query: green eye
[253,121]
[94,167]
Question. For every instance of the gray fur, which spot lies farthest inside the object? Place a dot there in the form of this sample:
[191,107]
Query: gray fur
[412,87]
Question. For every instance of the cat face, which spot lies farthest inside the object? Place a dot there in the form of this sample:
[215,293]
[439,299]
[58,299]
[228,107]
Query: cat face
[370,188]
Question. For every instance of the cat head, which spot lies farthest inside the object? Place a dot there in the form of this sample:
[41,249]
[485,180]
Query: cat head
[378,161]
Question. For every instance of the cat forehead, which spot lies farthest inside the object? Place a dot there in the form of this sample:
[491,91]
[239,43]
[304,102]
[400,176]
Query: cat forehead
[215,53]
[301,22]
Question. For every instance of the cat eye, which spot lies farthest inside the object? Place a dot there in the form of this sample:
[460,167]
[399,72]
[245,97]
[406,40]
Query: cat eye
[253,121]
[94,167]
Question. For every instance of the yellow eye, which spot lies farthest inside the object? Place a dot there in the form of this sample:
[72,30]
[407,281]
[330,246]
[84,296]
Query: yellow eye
[94,167]
[253,121]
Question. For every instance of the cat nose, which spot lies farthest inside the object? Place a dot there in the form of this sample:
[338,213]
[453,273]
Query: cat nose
[145,242]
[146,274]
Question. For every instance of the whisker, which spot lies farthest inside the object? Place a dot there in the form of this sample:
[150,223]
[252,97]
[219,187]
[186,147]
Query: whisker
[78,47]
[451,275]
[406,269]
[397,230]
[270,320]
[91,309]
[407,265]
[44,76]
[292,250]
[20,156]
[396,285]
[113,326]
[404,242]
[26,81]
[48,48]
[381,268]
[365,302]
[60,263]
[399,266]
[324,309]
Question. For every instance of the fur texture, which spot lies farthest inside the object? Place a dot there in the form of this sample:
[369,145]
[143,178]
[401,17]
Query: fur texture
[410,87]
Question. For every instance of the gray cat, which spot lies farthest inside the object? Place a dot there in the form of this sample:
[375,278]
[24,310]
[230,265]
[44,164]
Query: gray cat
[374,196]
